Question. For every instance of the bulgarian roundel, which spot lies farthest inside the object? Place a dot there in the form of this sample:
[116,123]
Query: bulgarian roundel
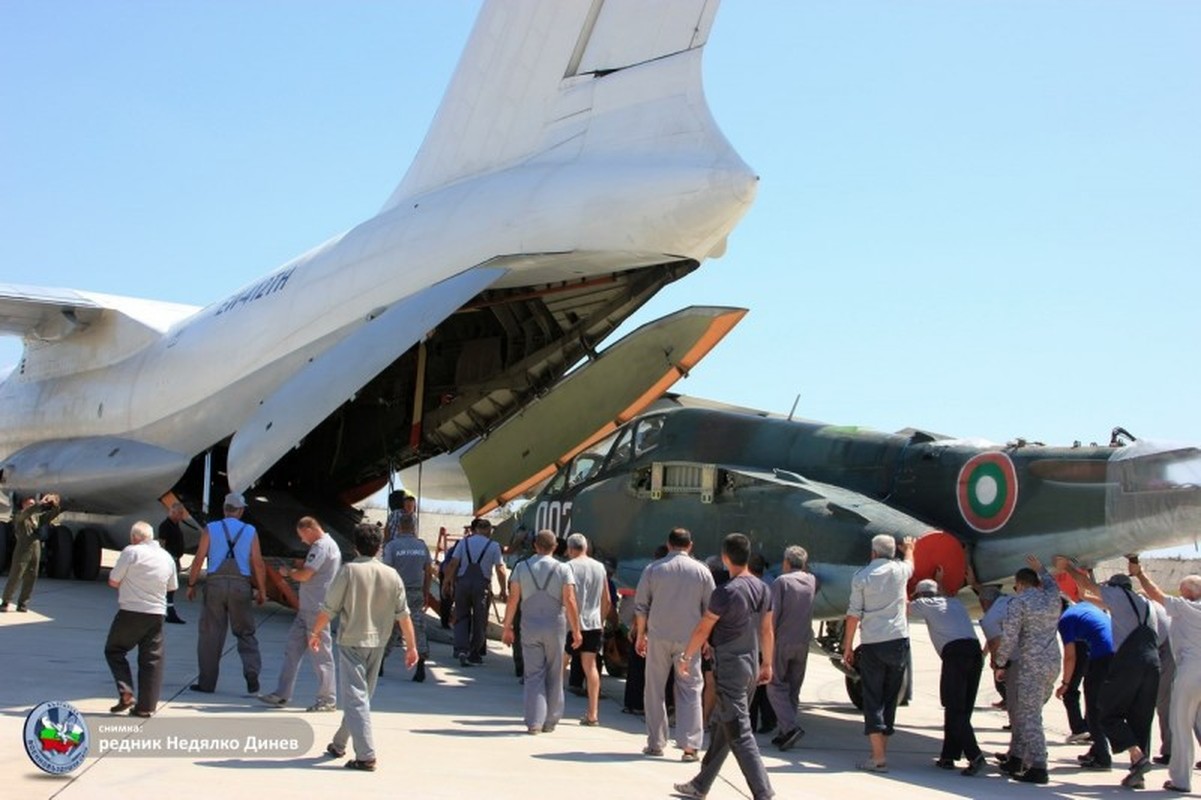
[987,491]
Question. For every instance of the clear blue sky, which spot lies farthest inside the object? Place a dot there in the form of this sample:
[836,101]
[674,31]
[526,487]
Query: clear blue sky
[979,218]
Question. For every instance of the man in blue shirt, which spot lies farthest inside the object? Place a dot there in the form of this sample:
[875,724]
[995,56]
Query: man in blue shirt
[232,550]
[1088,635]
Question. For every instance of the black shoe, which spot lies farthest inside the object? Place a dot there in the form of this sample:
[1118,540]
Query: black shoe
[419,673]
[944,763]
[174,619]
[252,684]
[196,687]
[789,739]
[1033,775]
[974,766]
[3,607]
[1138,771]
[475,659]
[22,607]
[1012,766]
[137,712]
[1165,760]
[1093,764]
[464,661]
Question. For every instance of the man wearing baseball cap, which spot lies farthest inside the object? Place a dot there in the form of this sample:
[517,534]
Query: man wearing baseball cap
[232,550]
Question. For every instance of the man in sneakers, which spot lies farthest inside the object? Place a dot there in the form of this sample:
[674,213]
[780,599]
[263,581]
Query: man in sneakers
[738,626]
[368,599]
[321,564]
[1087,636]
[27,555]
[792,615]
[410,557]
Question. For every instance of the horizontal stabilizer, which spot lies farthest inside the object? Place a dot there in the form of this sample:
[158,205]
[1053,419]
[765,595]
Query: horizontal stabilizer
[100,473]
[592,402]
[44,314]
[332,378]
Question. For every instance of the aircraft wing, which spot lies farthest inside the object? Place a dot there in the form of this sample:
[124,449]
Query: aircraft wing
[44,314]
[329,380]
[591,403]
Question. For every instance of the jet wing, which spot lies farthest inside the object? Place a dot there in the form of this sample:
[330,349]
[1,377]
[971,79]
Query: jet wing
[591,403]
[329,380]
[44,314]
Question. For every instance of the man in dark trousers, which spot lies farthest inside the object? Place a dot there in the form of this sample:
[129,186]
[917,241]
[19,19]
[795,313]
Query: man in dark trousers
[142,576]
[231,548]
[27,555]
[469,581]
[170,537]
[1128,696]
[738,626]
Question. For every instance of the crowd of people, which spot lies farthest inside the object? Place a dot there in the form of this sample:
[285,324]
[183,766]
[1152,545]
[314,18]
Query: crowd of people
[717,650]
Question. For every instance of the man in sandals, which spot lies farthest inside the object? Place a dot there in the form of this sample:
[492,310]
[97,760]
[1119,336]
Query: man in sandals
[369,600]
[592,597]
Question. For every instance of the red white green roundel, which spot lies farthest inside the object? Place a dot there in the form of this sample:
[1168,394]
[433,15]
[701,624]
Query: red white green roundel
[987,491]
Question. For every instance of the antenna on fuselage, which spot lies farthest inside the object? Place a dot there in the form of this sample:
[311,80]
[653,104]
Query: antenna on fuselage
[794,405]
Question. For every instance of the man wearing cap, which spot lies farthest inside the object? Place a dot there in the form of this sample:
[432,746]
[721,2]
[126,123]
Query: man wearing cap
[1029,631]
[321,564]
[1128,696]
[231,548]
[877,611]
[954,639]
[792,617]
[671,599]
[410,557]
[469,580]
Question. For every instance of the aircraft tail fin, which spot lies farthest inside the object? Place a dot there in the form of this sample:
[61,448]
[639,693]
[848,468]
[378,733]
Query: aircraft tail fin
[526,82]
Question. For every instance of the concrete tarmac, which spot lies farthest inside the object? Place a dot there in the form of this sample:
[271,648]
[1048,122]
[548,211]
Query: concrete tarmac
[460,733]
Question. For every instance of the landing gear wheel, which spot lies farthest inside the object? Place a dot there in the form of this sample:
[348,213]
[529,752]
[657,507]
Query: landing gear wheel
[59,554]
[87,554]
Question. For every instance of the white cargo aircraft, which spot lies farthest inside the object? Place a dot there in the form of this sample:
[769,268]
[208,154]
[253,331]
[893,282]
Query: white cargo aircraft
[572,170]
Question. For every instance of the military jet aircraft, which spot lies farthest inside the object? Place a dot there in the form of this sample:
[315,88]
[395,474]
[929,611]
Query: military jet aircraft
[572,170]
[829,488]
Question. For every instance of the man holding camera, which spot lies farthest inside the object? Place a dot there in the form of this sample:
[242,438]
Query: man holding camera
[28,553]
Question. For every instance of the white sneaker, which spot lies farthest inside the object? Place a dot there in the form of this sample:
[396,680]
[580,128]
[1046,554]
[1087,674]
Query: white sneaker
[273,699]
[1079,738]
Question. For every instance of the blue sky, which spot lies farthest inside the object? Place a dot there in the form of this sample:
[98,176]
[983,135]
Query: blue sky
[981,218]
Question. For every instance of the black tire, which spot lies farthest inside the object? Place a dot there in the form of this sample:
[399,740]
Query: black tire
[6,545]
[86,552]
[855,691]
[59,553]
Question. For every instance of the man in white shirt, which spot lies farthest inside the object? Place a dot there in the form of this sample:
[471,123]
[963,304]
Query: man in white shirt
[877,611]
[592,597]
[142,576]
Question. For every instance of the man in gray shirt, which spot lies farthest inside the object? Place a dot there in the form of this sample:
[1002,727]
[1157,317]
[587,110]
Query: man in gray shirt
[672,596]
[877,611]
[545,590]
[792,605]
[320,566]
[954,639]
[410,557]
[592,597]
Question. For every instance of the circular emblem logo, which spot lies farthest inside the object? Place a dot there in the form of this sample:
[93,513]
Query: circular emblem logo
[56,737]
[987,491]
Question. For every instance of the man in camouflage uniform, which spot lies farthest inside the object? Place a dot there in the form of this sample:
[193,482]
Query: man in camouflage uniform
[27,555]
[1030,634]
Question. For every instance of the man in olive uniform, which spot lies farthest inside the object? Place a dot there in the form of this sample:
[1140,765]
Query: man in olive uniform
[28,553]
